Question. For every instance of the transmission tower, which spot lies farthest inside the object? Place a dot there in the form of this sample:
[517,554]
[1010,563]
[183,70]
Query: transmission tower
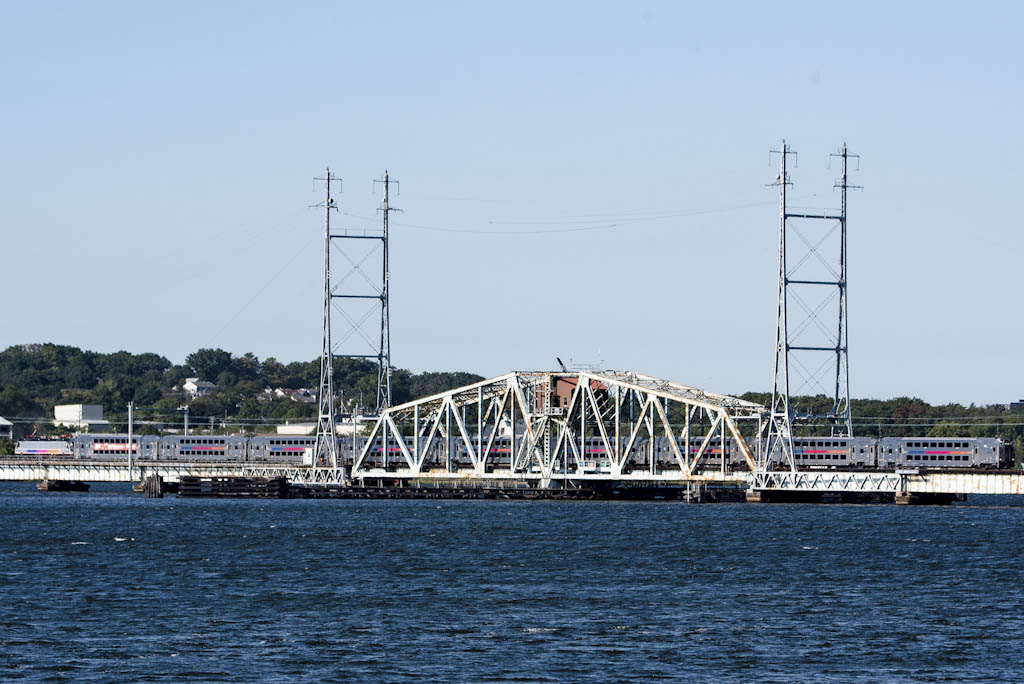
[326,450]
[384,358]
[355,293]
[804,273]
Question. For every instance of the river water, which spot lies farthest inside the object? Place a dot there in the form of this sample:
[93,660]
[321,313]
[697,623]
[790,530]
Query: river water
[110,587]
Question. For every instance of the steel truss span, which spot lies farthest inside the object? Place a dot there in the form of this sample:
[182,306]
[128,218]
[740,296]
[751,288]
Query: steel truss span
[830,481]
[559,426]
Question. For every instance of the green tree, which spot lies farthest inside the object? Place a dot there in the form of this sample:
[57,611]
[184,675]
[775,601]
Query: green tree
[207,364]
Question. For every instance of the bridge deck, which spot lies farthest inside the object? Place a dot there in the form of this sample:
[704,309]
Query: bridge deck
[932,482]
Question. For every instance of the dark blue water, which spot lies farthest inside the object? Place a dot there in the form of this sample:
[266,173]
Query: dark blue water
[107,587]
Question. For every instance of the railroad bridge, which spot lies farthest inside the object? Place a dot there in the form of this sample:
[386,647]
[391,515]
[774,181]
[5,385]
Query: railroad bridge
[549,429]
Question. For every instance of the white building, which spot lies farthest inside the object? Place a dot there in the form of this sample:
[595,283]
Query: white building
[80,416]
[6,428]
[195,387]
[297,429]
[341,428]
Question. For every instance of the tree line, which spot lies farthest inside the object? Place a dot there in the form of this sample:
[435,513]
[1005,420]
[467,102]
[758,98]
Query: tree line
[34,378]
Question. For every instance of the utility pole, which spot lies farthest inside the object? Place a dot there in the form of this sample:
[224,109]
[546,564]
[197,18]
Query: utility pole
[325,453]
[131,461]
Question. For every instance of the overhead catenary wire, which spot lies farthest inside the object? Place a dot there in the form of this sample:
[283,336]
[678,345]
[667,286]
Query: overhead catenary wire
[571,223]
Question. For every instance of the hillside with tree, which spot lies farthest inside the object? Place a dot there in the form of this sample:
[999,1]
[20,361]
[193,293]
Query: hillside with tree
[253,395]
[250,394]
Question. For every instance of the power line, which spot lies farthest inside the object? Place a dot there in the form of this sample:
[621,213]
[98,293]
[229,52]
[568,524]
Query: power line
[602,221]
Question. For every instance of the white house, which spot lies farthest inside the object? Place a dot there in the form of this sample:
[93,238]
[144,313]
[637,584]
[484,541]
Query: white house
[300,395]
[195,387]
[6,428]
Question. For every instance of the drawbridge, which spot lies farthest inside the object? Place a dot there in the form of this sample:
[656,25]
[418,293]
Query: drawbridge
[545,427]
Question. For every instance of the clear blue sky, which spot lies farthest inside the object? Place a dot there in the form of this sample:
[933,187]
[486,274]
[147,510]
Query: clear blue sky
[157,165]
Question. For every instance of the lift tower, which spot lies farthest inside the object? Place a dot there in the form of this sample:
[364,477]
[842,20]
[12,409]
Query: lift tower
[817,285]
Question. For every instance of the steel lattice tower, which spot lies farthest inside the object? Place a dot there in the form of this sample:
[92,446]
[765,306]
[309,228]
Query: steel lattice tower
[326,451]
[344,292]
[790,342]
[384,355]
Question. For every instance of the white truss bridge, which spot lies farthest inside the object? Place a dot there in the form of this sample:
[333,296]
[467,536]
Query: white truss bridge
[548,426]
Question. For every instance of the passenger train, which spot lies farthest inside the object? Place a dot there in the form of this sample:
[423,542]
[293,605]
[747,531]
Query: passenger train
[810,453]
[288,449]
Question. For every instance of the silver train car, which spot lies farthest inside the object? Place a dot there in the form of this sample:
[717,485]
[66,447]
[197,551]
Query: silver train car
[944,452]
[810,453]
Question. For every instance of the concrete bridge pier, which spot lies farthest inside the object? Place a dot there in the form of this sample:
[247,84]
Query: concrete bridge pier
[923,499]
